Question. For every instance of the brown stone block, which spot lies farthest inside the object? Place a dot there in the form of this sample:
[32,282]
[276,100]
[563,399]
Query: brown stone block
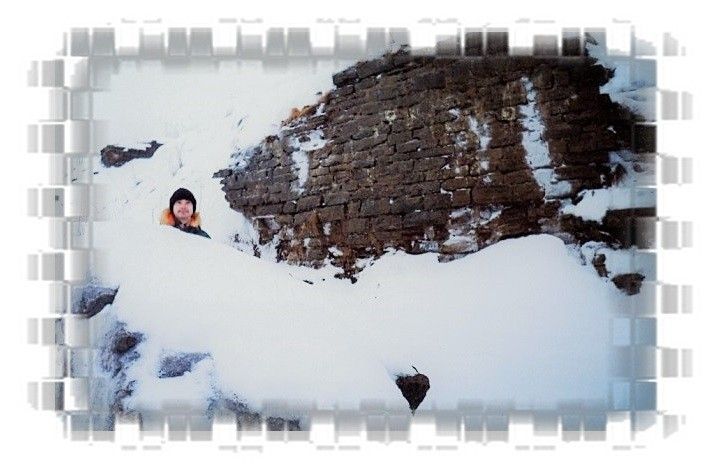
[331,213]
[361,174]
[562,78]
[570,172]
[370,207]
[491,194]
[425,218]
[353,208]
[339,197]
[423,188]
[341,176]
[504,135]
[382,150]
[267,210]
[406,204]
[358,241]
[413,177]
[542,77]
[437,201]
[367,82]
[301,218]
[308,202]
[399,137]
[290,207]
[316,172]
[274,198]
[363,133]
[517,177]
[367,143]
[430,163]
[457,183]
[362,162]
[557,146]
[461,198]
[389,191]
[322,180]
[356,225]
[433,175]
[410,146]
[402,167]
[388,222]
[527,192]
[349,186]
[387,238]
[560,129]
[365,191]
[430,80]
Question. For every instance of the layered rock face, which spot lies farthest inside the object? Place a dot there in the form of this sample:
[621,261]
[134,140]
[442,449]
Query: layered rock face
[430,154]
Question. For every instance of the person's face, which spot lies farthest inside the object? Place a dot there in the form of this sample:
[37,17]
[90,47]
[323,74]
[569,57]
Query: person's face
[183,209]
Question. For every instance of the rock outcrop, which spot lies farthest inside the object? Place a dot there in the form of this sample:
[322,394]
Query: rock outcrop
[432,154]
[90,299]
[116,156]
[413,388]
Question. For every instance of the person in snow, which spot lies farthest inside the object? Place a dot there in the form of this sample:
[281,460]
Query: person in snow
[182,213]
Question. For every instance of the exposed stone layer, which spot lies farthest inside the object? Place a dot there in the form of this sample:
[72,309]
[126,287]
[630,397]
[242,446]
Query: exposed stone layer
[430,154]
[116,156]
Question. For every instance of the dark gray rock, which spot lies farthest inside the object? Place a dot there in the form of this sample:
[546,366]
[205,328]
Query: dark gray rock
[413,388]
[178,364]
[116,156]
[90,299]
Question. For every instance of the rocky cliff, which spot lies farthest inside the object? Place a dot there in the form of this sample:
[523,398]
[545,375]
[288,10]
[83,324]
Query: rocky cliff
[432,154]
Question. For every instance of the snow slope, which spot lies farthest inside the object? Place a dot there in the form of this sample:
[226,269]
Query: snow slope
[202,114]
[519,321]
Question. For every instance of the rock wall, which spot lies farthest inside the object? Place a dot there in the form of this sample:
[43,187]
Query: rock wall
[430,154]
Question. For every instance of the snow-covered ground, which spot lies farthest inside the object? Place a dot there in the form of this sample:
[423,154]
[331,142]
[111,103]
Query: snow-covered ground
[519,321]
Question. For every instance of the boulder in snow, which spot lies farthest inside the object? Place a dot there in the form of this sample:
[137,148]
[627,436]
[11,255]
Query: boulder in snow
[175,365]
[629,282]
[413,388]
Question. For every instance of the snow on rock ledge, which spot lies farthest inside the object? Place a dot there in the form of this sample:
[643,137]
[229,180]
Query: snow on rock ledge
[268,334]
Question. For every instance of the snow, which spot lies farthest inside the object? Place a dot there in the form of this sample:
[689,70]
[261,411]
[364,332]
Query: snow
[302,166]
[553,187]
[508,323]
[482,133]
[457,213]
[335,251]
[637,172]
[488,215]
[537,153]
[618,261]
[595,204]
[630,86]
[316,140]
[461,239]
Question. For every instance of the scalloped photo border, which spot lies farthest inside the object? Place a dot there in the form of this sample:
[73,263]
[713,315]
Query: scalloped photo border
[67,130]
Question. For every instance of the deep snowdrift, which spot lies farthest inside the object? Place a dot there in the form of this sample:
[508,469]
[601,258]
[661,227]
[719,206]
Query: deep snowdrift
[522,321]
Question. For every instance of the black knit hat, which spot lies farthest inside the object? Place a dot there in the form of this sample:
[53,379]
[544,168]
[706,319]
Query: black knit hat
[182,194]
